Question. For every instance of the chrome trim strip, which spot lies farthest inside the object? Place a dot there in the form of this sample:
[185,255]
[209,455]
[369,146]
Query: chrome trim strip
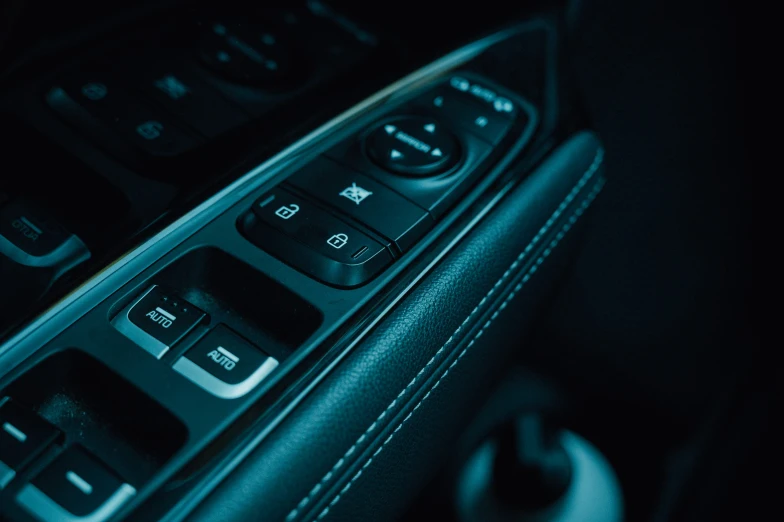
[68,254]
[41,506]
[419,76]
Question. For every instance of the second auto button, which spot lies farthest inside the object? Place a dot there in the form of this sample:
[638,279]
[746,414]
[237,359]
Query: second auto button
[365,200]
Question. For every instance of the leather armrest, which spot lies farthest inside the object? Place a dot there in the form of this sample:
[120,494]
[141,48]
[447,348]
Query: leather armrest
[367,438]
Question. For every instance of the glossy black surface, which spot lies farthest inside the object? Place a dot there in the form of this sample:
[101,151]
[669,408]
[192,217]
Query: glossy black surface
[313,240]
[363,199]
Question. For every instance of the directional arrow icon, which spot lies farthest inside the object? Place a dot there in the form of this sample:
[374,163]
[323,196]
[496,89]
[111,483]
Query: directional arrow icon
[395,154]
[390,129]
[437,153]
[431,128]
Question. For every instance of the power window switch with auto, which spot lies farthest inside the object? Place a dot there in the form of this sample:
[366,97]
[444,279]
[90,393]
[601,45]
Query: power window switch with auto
[35,251]
[225,364]
[75,486]
[157,320]
[31,237]
[24,436]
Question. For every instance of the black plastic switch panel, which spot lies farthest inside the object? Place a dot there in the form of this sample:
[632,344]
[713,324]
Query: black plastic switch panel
[158,320]
[365,200]
[107,99]
[23,436]
[98,92]
[244,52]
[312,240]
[76,485]
[154,131]
[413,146]
[479,92]
[225,364]
[180,90]
[478,118]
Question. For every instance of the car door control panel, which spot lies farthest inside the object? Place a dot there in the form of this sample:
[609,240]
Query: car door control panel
[349,213]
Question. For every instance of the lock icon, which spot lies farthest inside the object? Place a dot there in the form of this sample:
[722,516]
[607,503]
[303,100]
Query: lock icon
[285,212]
[338,240]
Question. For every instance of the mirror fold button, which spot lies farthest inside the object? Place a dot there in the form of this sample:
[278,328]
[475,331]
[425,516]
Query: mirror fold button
[365,200]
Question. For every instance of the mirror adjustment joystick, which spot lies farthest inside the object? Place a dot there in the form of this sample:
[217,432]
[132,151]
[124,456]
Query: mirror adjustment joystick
[413,146]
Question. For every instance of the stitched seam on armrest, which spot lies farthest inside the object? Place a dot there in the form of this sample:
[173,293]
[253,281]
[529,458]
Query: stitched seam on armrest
[595,164]
[572,220]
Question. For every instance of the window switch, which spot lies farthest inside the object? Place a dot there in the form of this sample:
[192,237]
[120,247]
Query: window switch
[225,364]
[75,486]
[23,437]
[157,321]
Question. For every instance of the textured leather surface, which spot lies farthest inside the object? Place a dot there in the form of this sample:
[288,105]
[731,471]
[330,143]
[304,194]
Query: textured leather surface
[369,436]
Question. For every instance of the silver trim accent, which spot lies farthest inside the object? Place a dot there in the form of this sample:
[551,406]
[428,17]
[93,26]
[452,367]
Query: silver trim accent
[67,255]
[6,474]
[419,76]
[125,326]
[44,508]
[14,432]
[217,387]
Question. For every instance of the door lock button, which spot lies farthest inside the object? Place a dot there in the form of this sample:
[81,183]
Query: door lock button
[414,146]
[313,240]
[156,321]
[225,364]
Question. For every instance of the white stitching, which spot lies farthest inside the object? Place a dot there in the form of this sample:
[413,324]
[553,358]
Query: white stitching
[580,210]
[597,161]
